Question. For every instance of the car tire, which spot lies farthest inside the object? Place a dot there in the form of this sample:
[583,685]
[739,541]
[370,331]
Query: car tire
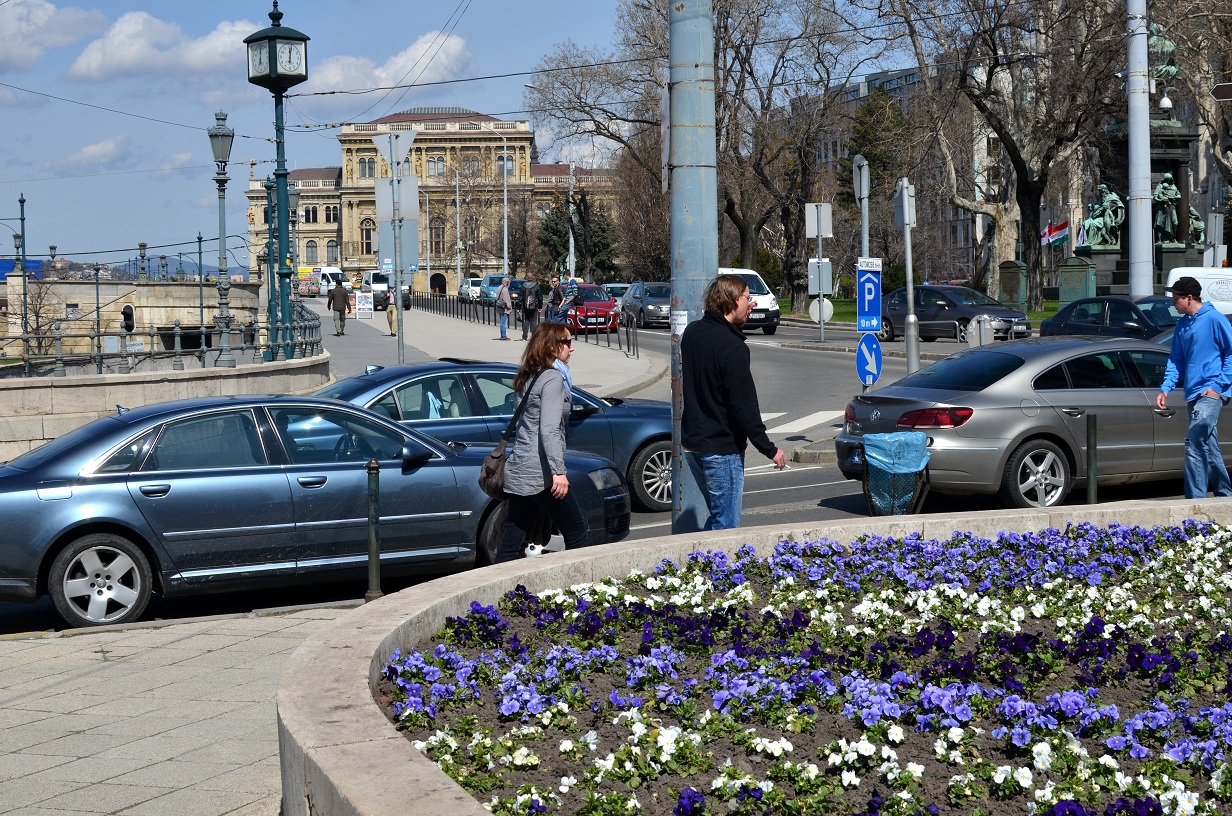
[650,477]
[490,534]
[100,579]
[769,329]
[641,319]
[1036,475]
[886,334]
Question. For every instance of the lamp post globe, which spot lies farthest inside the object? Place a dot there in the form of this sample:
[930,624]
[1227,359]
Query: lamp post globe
[277,61]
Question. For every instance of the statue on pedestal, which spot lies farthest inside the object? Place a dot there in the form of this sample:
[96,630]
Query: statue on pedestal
[1102,226]
[1166,198]
[1197,227]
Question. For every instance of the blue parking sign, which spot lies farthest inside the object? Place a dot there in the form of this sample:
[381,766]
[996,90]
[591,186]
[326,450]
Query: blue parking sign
[868,295]
[868,359]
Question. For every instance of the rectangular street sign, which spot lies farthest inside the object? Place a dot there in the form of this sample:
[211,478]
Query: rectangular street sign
[1222,92]
[868,294]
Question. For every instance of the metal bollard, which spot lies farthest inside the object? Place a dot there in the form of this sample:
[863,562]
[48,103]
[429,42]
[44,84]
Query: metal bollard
[374,530]
[1092,461]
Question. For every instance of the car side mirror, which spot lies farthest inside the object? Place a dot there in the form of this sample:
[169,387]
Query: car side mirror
[581,411]
[414,453]
[1131,325]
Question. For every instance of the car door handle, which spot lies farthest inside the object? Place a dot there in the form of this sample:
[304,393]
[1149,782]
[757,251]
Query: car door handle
[312,481]
[155,490]
[1167,413]
[1074,412]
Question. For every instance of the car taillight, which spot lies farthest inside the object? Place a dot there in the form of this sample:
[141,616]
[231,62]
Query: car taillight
[850,414]
[935,418]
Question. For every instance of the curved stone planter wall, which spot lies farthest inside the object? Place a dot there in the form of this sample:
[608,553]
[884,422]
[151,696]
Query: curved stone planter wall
[33,411]
[341,757]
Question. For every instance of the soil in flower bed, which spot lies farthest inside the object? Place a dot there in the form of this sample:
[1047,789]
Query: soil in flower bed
[1061,672]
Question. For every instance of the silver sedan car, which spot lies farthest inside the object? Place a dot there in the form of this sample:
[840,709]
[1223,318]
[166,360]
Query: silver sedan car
[1012,418]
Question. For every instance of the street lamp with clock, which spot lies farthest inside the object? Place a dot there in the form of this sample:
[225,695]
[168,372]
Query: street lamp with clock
[277,61]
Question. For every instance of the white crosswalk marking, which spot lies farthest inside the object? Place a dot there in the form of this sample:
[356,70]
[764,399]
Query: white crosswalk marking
[766,417]
[806,422]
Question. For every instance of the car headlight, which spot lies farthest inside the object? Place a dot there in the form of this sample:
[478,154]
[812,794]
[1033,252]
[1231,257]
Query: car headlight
[774,307]
[605,478]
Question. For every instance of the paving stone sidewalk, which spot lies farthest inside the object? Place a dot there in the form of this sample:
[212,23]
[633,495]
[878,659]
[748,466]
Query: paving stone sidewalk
[147,719]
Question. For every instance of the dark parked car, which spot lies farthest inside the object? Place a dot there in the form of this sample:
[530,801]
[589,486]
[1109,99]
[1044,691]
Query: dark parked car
[1012,418]
[947,311]
[225,493]
[469,401]
[1113,316]
[648,304]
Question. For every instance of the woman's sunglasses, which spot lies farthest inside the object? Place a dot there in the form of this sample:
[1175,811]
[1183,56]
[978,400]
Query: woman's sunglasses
[568,342]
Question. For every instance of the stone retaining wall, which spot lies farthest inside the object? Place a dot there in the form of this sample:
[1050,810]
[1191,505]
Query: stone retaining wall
[340,756]
[32,411]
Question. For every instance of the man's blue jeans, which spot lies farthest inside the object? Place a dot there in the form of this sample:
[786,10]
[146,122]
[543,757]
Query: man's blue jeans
[721,478]
[1204,467]
[504,325]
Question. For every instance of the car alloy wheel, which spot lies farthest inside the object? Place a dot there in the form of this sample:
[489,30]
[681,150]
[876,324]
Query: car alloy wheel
[650,476]
[887,330]
[1037,475]
[100,579]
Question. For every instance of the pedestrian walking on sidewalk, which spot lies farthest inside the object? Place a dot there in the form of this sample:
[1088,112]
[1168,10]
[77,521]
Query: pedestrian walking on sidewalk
[721,415]
[391,315]
[1202,356]
[504,306]
[554,300]
[340,304]
[532,302]
[535,475]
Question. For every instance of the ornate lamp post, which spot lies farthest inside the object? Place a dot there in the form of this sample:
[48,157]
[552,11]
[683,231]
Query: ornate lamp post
[19,244]
[221,138]
[52,252]
[162,264]
[277,61]
[504,165]
[142,277]
[98,324]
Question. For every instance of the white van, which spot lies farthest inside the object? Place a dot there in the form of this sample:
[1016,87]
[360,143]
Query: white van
[765,314]
[331,275]
[1216,284]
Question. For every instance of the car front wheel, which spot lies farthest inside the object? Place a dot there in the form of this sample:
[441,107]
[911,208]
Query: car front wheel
[650,476]
[1037,475]
[100,579]
[769,329]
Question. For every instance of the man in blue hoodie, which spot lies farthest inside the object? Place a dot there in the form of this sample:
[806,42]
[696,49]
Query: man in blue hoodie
[1202,354]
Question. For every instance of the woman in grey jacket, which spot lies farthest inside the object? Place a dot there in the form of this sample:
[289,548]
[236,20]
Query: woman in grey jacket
[535,477]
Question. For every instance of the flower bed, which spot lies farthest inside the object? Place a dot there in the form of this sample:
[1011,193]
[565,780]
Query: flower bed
[1083,671]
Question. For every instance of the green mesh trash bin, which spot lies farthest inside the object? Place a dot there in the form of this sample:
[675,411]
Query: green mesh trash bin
[895,472]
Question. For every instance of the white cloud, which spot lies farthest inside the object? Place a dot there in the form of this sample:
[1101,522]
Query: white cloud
[179,165]
[29,28]
[116,153]
[138,44]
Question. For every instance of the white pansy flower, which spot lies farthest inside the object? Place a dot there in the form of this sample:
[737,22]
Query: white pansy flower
[1024,778]
[1001,774]
[895,733]
[850,779]
[916,770]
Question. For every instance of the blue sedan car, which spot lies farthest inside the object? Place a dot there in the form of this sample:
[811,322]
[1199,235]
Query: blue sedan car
[468,401]
[225,493]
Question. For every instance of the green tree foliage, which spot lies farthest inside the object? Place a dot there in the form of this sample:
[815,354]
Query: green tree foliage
[883,136]
[593,238]
[554,237]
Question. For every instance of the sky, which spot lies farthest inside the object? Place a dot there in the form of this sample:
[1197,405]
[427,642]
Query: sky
[105,105]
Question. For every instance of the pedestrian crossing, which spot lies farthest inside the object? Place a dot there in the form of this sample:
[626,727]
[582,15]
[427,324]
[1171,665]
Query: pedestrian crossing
[804,423]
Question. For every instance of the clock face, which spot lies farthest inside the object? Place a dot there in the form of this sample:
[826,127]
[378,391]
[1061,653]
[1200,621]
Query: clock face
[290,57]
[258,59]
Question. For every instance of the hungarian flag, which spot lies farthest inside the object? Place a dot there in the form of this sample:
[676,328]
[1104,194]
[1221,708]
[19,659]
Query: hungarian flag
[1046,235]
[1060,233]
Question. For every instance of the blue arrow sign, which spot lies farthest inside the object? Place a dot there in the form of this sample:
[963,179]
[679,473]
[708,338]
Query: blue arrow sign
[868,359]
[868,295]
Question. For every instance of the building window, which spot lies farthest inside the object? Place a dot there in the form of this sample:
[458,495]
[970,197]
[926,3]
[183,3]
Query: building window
[310,253]
[367,168]
[366,228]
[265,215]
[437,236]
[331,213]
[436,166]
[504,165]
[310,215]
[470,165]
[331,253]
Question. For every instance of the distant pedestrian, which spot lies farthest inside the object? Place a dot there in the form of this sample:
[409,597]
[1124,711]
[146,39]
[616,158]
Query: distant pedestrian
[721,415]
[532,302]
[339,302]
[1202,356]
[554,300]
[504,306]
[391,314]
[573,296]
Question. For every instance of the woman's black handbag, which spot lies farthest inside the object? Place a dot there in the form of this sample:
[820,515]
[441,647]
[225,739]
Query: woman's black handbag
[492,471]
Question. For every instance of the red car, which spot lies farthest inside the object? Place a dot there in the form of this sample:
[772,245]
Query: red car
[598,310]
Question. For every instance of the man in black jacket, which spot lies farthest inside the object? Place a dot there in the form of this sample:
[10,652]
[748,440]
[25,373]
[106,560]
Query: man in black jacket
[721,415]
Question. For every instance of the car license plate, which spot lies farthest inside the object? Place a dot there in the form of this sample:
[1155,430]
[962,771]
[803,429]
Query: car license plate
[594,320]
[1021,327]
[759,313]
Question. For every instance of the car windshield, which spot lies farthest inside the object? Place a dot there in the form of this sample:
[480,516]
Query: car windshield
[970,297]
[659,291]
[617,288]
[973,371]
[334,390]
[594,295]
[756,285]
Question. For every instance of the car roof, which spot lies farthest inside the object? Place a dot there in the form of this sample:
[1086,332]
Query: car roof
[379,375]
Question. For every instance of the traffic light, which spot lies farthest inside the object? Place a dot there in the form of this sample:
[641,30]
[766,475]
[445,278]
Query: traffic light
[128,318]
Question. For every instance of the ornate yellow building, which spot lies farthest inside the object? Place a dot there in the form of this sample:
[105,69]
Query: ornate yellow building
[458,156]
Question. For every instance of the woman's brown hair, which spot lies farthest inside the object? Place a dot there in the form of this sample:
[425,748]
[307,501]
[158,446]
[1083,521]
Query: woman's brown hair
[540,352]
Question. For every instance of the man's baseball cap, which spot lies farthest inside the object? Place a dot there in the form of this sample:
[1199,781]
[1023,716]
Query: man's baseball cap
[1185,286]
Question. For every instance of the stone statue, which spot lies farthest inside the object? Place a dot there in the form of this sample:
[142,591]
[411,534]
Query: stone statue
[1165,198]
[1197,227]
[1103,222]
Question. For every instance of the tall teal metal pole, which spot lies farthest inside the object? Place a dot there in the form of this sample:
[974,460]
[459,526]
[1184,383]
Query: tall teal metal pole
[694,208]
[270,266]
[284,224]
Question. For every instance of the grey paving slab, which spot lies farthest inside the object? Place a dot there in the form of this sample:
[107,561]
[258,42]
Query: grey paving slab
[88,769]
[195,801]
[16,766]
[106,797]
[172,774]
[18,794]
